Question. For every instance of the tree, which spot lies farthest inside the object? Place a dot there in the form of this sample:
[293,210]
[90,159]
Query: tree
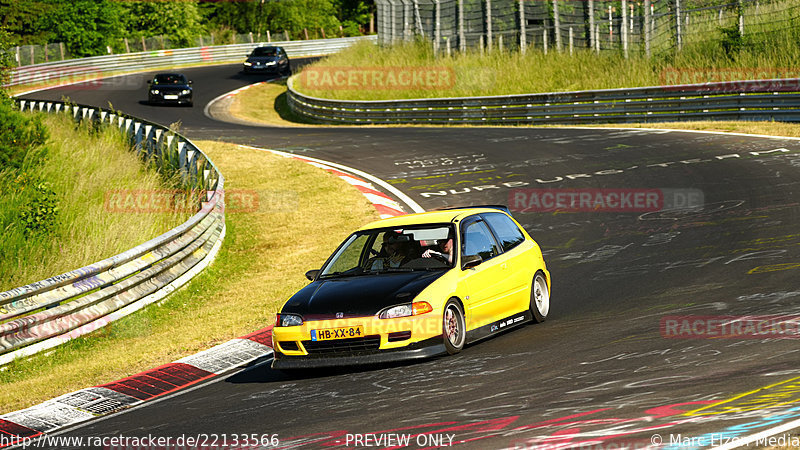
[180,21]
[86,27]
[295,15]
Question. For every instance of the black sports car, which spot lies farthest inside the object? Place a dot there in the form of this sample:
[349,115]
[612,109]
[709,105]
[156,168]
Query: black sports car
[267,59]
[170,88]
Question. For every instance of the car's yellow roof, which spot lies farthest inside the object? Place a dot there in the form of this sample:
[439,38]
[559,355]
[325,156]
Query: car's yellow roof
[440,216]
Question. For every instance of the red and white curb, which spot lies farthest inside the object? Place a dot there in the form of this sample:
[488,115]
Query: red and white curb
[364,182]
[24,426]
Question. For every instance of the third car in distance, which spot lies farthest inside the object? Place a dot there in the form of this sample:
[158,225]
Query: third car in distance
[415,286]
[267,59]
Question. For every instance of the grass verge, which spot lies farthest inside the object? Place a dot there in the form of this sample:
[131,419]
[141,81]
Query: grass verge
[262,262]
[80,167]
[265,104]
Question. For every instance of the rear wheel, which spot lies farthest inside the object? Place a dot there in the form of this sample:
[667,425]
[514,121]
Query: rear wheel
[540,298]
[454,327]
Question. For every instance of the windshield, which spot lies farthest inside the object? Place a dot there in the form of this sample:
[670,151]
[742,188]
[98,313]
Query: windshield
[265,51]
[421,247]
[169,79]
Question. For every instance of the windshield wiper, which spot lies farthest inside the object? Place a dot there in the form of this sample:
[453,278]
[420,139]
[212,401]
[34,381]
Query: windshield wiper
[392,269]
[343,274]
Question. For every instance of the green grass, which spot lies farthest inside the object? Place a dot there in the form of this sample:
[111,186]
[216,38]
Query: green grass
[771,45]
[80,167]
[261,263]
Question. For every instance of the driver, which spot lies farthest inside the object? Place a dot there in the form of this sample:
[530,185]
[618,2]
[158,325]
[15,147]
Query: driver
[446,247]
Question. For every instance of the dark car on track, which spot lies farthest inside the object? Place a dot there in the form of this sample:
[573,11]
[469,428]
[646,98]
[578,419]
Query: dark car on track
[170,88]
[267,59]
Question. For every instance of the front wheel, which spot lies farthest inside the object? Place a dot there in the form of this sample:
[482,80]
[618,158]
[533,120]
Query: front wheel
[454,327]
[540,298]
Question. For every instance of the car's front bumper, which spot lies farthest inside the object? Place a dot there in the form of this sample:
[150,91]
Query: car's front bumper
[424,349]
[168,98]
[262,69]
[382,340]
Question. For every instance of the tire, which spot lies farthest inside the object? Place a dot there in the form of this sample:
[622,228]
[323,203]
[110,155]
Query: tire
[540,298]
[454,327]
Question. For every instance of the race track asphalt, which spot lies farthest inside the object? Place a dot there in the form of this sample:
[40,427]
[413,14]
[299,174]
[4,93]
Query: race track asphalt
[603,369]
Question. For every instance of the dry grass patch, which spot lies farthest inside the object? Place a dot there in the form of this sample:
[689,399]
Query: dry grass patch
[262,262]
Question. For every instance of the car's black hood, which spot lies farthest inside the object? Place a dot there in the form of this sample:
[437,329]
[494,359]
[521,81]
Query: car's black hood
[358,296]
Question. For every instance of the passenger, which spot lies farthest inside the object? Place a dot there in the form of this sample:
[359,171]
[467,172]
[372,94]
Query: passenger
[396,251]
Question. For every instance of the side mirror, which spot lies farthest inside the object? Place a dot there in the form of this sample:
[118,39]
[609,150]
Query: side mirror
[149,81]
[190,81]
[470,261]
[311,274]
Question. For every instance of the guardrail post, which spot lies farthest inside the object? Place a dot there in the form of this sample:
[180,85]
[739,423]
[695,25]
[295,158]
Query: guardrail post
[597,39]
[437,24]
[647,27]
[571,42]
[557,25]
[740,12]
[462,42]
[489,25]
[678,37]
[592,36]
[522,27]
[544,40]
[624,28]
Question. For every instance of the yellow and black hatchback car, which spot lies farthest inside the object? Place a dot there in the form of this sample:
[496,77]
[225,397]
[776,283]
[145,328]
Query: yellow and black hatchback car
[414,286]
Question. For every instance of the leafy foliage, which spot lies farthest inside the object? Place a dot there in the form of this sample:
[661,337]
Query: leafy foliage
[91,27]
[85,26]
[20,136]
[178,20]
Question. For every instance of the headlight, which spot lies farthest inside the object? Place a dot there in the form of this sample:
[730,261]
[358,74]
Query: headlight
[396,311]
[288,320]
[154,91]
[248,63]
[413,309]
[186,92]
[270,63]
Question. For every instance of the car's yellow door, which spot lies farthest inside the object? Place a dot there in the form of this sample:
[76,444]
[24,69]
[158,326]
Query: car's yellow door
[488,287]
[518,257]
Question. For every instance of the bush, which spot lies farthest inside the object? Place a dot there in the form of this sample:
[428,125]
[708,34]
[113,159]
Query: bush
[20,136]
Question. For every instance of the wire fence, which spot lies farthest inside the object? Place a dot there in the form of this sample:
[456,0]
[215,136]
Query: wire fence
[630,26]
[26,55]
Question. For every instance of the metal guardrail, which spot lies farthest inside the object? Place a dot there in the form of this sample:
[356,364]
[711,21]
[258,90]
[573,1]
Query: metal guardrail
[47,313]
[103,65]
[777,99]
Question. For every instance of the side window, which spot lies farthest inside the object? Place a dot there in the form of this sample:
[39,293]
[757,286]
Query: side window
[505,229]
[478,240]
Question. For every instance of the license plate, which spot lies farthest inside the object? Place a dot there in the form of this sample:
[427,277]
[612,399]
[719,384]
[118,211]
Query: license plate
[337,333]
[170,97]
